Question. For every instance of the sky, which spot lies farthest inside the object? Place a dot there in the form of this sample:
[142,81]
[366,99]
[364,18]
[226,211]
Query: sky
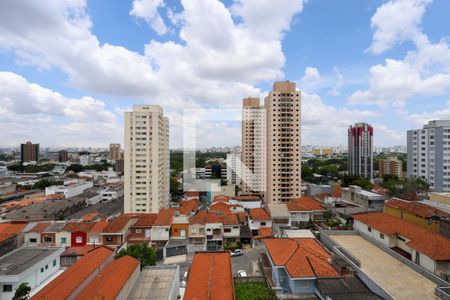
[69,69]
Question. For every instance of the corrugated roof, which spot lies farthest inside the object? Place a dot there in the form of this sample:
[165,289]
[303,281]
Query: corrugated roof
[210,277]
[65,284]
[427,242]
[110,281]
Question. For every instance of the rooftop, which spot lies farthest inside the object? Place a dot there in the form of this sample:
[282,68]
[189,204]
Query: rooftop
[20,260]
[429,243]
[78,226]
[304,204]
[278,210]
[416,208]
[111,279]
[40,227]
[154,283]
[210,277]
[147,219]
[259,214]
[164,217]
[303,257]
[298,233]
[65,284]
[118,224]
[90,216]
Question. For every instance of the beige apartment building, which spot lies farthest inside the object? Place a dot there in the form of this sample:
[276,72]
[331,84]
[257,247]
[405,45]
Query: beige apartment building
[283,151]
[114,151]
[390,166]
[253,150]
[146,172]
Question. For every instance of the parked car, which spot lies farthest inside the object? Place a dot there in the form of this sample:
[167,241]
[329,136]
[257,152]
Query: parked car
[237,252]
[241,273]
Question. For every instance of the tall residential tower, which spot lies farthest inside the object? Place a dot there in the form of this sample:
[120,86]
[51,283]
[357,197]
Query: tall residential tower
[146,173]
[283,138]
[429,154]
[114,151]
[29,152]
[360,150]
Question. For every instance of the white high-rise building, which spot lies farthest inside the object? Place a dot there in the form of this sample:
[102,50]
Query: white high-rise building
[146,173]
[233,168]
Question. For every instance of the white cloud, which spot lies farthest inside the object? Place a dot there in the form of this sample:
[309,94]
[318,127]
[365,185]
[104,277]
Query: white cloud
[397,21]
[336,91]
[148,10]
[420,119]
[31,112]
[311,74]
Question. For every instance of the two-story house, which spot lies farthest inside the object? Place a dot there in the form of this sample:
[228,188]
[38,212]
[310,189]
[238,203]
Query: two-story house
[214,231]
[161,229]
[76,233]
[52,236]
[257,218]
[231,228]
[141,231]
[305,209]
[115,234]
[32,236]
[94,235]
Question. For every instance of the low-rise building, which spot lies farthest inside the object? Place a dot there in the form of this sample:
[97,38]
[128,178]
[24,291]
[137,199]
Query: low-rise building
[115,234]
[141,231]
[281,217]
[77,233]
[257,218]
[157,282]
[70,283]
[304,210]
[111,194]
[115,281]
[427,249]
[32,235]
[231,228]
[297,264]
[210,277]
[161,228]
[247,202]
[94,235]
[197,232]
[363,198]
[69,190]
[52,236]
[32,265]
[179,228]
[214,232]
[11,236]
[72,254]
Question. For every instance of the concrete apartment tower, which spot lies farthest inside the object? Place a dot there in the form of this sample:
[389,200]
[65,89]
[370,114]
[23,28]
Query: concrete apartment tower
[390,166]
[29,152]
[146,173]
[428,153]
[283,140]
[253,148]
[114,151]
[360,150]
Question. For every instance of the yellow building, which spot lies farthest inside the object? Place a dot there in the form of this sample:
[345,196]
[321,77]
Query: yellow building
[443,198]
[416,213]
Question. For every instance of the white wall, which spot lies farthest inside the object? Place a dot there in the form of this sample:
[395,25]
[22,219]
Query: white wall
[160,233]
[375,234]
[255,225]
[247,204]
[235,232]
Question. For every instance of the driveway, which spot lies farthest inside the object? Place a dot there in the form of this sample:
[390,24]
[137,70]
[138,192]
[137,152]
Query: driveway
[247,262]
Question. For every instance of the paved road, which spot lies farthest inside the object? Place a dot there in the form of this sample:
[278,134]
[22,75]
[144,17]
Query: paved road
[247,262]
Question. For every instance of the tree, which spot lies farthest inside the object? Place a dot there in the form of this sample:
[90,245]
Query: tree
[42,184]
[174,185]
[22,292]
[75,167]
[142,252]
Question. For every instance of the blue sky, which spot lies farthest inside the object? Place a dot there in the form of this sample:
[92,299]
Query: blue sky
[70,68]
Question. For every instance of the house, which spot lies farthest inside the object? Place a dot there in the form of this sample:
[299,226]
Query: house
[297,264]
[427,249]
[117,231]
[69,191]
[90,217]
[258,217]
[72,254]
[11,236]
[77,233]
[214,231]
[264,233]
[94,235]
[247,202]
[71,282]
[231,228]
[281,217]
[161,228]
[115,281]
[305,209]
[197,232]
[188,207]
[141,231]
[157,282]
[364,198]
[180,227]
[33,265]
[32,235]
[52,236]
[225,207]
[420,214]
[210,277]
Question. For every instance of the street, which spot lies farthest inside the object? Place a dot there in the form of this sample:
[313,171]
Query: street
[247,262]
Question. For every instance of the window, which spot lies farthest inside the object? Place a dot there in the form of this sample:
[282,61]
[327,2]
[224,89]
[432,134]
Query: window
[48,239]
[42,270]
[33,240]
[418,258]
[304,284]
[263,223]
[381,236]
[227,230]
[79,239]
[54,262]
[139,230]
[109,239]
[7,288]
[63,240]
[369,229]
[46,267]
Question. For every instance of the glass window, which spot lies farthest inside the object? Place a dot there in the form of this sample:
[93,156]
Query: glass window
[7,288]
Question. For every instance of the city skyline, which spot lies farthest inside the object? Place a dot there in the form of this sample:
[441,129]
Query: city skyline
[70,83]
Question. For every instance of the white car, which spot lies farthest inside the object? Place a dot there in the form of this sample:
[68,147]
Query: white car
[241,273]
[237,252]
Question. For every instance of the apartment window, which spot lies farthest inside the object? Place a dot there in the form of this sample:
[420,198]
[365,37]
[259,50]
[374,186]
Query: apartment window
[369,229]
[7,288]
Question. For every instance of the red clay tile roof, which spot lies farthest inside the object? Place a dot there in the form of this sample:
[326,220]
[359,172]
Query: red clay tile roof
[221,198]
[187,206]
[78,226]
[164,218]
[90,216]
[40,227]
[416,208]
[67,282]
[303,257]
[259,214]
[429,243]
[242,216]
[304,204]
[212,217]
[210,277]
[110,281]
[99,226]
[78,251]
[336,191]
[199,218]
[146,220]
[118,224]
[8,230]
[230,219]
[264,232]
